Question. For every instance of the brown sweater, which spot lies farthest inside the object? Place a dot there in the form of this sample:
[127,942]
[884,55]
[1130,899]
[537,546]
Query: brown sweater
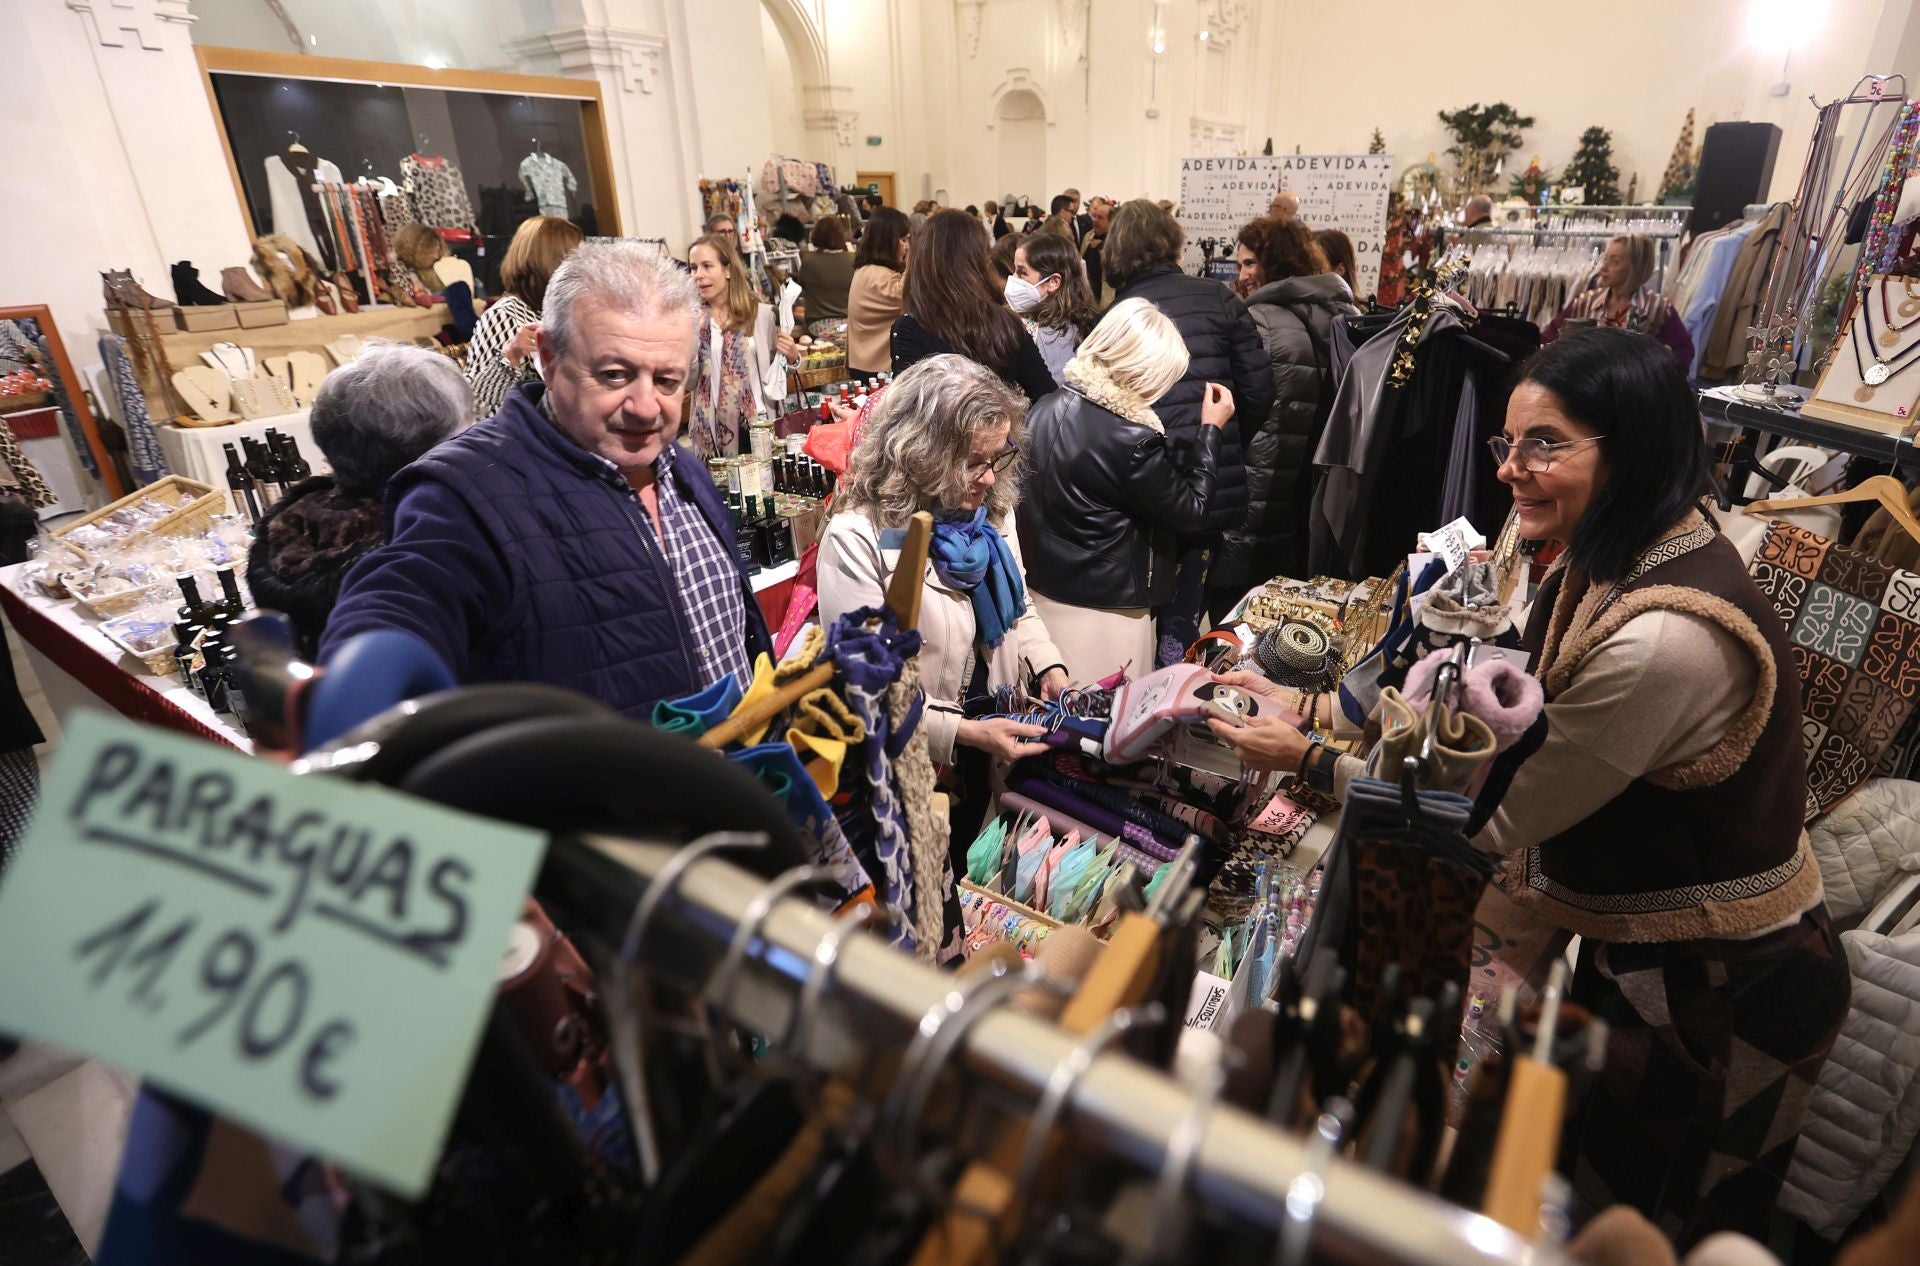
[875,299]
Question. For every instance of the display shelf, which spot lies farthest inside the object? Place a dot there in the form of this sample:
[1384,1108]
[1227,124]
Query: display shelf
[311,334]
[1897,449]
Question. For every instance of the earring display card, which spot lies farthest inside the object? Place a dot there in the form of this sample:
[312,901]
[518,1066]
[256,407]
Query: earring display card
[1872,378]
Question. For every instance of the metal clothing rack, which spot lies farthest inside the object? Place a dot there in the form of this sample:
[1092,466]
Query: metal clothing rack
[714,916]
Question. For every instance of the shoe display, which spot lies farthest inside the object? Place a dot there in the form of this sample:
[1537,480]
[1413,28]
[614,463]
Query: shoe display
[189,289]
[120,290]
[238,285]
[349,295]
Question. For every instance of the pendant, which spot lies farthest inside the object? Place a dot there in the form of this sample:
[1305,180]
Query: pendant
[1863,393]
[1877,373]
[1890,338]
[1909,307]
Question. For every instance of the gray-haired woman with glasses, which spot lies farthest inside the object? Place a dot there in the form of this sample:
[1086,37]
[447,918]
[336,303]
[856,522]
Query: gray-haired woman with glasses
[1660,818]
[945,438]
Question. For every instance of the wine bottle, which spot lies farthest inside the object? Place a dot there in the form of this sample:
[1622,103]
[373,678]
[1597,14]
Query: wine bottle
[777,529]
[186,656]
[195,612]
[235,605]
[757,536]
[240,482]
[291,461]
[742,539]
[264,472]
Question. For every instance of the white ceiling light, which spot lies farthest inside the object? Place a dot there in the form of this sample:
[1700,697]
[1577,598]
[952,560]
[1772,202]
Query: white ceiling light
[1779,26]
[1205,36]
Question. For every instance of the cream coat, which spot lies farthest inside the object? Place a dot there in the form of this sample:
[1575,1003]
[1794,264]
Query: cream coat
[854,572]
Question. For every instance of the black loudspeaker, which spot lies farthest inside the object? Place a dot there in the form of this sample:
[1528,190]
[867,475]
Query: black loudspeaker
[1736,169]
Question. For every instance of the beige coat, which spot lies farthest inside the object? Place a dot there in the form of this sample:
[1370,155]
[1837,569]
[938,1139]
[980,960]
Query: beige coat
[875,298]
[854,572]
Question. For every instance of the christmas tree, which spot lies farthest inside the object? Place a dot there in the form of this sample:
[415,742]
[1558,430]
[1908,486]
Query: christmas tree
[1378,145]
[1677,184]
[1482,137]
[1592,169]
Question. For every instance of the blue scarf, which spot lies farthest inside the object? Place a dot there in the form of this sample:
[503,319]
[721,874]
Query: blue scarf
[971,557]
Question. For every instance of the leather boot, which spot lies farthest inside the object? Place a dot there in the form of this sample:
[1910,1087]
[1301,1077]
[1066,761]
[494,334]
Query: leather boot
[121,291]
[239,286]
[186,285]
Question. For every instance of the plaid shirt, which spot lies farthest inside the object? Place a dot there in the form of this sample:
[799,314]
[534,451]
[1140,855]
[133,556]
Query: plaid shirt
[705,577]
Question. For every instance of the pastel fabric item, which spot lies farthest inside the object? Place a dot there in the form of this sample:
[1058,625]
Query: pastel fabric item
[698,713]
[1853,630]
[1499,694]
[983,855]
[1030,852]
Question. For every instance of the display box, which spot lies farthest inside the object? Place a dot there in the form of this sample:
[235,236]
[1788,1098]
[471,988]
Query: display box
[132,322]
[213,316]
[266,312]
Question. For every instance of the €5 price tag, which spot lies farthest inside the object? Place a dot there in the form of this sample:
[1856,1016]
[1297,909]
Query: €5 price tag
[311,958]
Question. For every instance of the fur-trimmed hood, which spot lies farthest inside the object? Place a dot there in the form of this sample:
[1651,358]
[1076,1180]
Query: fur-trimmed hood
[1091,379]
[303,548]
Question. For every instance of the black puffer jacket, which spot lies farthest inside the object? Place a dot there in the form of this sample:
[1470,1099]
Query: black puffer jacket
[1104,506]
[1222,346]
[303,547]
[1295,318]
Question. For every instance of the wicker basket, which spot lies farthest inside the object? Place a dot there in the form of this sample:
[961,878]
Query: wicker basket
[105,606]
[154,663]
[198,505]
[812,379]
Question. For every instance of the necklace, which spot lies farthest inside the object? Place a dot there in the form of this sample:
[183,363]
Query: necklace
[1872,376]
[1909,307]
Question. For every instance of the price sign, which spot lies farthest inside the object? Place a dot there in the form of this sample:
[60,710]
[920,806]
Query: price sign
[311,958]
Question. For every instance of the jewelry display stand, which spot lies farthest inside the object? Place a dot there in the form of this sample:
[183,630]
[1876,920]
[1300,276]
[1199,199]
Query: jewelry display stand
[1872,379]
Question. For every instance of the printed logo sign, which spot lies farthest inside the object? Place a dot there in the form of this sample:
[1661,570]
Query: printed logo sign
[311,958]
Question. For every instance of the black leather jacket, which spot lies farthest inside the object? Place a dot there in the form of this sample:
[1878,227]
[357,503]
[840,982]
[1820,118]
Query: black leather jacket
[1104,504]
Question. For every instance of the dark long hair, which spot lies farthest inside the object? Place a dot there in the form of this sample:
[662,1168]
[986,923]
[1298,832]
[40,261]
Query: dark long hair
[1629,389]
[1338,248]
[954,293]
[1071,307]
[880,244]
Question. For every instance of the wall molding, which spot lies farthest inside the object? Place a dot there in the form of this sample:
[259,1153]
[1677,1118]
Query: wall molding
[131,23]
[636,58]
[1212,136]
[1018,79]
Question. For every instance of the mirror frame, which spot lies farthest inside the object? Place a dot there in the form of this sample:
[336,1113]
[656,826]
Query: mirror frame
[76,392]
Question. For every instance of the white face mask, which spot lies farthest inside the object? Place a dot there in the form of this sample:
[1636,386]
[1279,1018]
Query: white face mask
[1022,295]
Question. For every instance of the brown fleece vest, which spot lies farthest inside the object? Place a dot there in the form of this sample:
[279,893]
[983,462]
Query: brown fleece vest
[1711,848]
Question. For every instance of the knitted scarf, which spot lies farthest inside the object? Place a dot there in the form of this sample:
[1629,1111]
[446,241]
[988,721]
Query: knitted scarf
[971,557]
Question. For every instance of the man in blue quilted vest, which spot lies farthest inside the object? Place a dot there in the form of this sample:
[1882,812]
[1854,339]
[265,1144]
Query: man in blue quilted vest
[567,539]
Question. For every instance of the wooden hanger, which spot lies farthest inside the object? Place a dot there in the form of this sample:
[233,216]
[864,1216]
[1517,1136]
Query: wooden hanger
[981,1214]
[1885,489]
[1530,1123]
[903,600]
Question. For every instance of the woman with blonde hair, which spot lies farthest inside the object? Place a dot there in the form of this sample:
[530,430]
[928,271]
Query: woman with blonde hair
[500,356]
[734,353]
[945,438]
[1106,504]
[1623,297]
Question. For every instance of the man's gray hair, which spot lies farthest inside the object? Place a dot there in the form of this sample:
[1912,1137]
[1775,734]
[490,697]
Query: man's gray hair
[384,408]
[629,277]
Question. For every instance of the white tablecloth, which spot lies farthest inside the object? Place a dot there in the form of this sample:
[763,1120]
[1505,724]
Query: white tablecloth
[195,451]
[79,668]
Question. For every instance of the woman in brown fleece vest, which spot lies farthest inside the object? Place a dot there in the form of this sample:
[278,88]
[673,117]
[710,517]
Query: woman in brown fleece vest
[1661,818]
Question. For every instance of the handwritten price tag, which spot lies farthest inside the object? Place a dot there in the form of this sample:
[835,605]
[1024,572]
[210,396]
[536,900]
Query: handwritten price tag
[306,956]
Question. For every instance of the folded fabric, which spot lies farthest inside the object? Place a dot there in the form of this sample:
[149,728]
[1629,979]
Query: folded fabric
[762,687]
[822,757]
[823,730]
[801,654]
[698,713]
[778,767]
[983,855]
[1387,662]
[1067,877]
[1050,866]
[1462,744]
[1029,852]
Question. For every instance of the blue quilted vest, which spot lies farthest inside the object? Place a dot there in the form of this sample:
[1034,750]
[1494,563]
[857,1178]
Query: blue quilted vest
[594,607]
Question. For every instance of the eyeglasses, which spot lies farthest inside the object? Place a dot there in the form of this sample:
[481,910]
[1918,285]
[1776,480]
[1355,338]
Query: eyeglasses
[998,465]
[1536,455]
